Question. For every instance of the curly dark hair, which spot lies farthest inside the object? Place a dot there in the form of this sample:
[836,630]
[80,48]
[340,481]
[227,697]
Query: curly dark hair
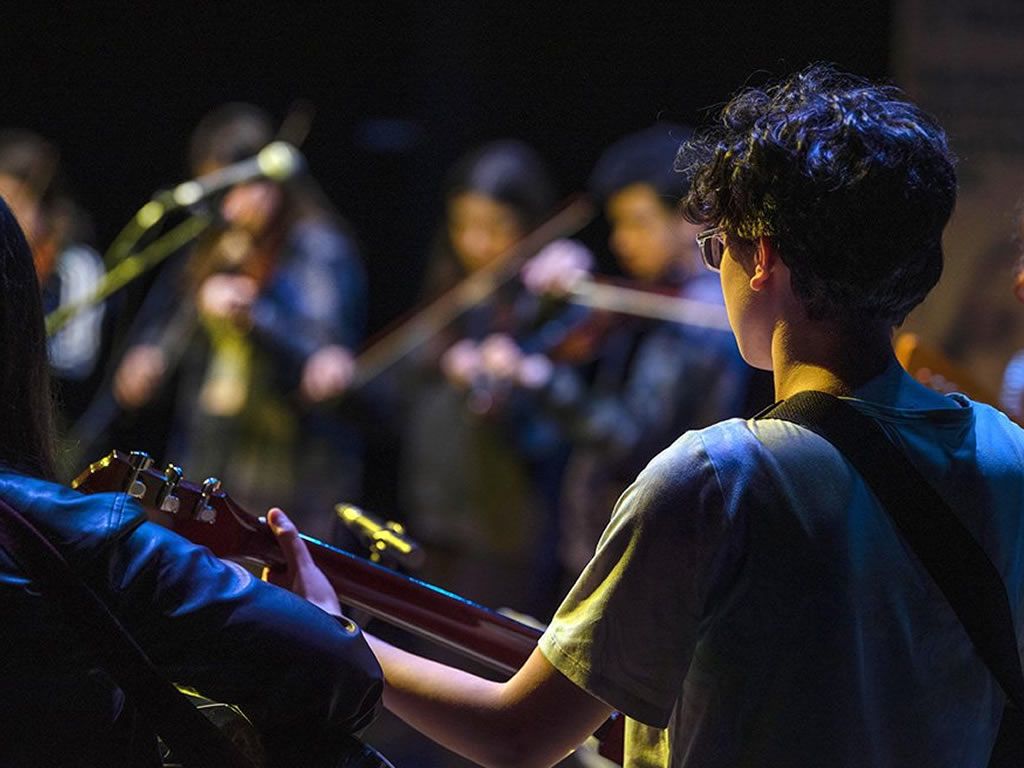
[852,182]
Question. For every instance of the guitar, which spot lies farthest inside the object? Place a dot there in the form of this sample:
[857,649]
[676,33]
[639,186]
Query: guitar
[206,515]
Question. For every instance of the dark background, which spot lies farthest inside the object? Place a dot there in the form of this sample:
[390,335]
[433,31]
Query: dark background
[399,89]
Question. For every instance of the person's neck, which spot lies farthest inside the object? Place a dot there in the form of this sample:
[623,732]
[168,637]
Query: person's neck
[820,356]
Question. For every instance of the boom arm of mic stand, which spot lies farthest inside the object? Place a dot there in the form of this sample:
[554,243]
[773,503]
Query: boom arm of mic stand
[129,269]
[147,217]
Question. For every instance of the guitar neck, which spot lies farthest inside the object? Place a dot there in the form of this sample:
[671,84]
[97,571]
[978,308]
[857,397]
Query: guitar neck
[207,516]
[426,610]
[229,531]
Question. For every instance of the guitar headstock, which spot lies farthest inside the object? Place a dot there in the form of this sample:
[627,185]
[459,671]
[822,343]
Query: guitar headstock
[203,513]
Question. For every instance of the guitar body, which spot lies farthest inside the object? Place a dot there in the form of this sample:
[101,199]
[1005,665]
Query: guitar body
[207,516]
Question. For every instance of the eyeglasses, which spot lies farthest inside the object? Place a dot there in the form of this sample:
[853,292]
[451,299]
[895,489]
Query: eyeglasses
[712,247]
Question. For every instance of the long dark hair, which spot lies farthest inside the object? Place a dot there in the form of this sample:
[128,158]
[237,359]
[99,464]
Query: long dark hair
[236,131]
[508,171]
[26,425]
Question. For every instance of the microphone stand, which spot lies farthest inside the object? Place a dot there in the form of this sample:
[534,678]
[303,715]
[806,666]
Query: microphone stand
[147,217]
[129,268]
[104,408]
[277,161]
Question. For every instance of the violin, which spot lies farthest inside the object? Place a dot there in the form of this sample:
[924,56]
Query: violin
[578,332]
[411,331]
[611,301]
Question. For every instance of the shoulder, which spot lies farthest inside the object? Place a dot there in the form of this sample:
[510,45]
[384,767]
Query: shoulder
[996,434]
[723,448]
[990,418]
[79,524]
[694,473]
[720,475]
[785,456]
[735,450]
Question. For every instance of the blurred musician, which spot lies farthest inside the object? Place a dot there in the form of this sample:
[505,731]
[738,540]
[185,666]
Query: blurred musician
[647,380]
[480,475]
[1011,394]
[257,326]
[58,232]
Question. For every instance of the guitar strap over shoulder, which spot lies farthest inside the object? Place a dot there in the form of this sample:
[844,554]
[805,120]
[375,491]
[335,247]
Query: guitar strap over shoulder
[949,552]
[194,740]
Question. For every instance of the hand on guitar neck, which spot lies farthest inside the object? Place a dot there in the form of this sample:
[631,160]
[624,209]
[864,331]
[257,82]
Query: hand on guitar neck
[300,575]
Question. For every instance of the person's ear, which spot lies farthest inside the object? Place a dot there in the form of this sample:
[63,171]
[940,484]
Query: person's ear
[765,258]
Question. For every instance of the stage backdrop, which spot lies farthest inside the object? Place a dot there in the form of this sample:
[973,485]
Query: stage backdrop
[964,61]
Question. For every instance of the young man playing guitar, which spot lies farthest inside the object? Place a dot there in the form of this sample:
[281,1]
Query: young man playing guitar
[751,601]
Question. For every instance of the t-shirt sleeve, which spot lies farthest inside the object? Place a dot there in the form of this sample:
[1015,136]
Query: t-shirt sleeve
[627,629]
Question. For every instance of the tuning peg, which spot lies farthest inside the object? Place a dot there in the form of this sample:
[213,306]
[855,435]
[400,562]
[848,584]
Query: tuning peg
[139,462]
[203,511]
[166,501]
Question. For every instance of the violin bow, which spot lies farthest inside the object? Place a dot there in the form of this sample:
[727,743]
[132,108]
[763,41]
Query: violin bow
[639,302]
[412,331]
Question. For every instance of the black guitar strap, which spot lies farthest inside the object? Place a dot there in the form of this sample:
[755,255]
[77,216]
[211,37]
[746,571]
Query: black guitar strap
[193,739]
[948,551]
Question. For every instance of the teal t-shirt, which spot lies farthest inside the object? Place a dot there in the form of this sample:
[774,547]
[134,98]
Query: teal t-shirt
[750,603]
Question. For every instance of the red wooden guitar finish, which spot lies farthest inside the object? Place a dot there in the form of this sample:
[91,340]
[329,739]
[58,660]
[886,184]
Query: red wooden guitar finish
[206,515]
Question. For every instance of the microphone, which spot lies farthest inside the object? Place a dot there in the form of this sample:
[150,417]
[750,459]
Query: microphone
[385,540]
[277,161]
